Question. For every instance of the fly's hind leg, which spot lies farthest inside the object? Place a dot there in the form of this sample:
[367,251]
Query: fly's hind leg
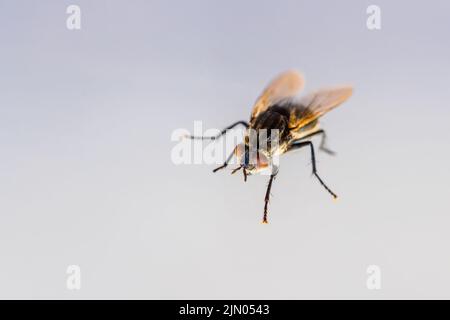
[298,145]
[322,145]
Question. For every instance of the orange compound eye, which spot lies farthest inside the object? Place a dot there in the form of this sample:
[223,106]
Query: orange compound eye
[262,161]
[239,150]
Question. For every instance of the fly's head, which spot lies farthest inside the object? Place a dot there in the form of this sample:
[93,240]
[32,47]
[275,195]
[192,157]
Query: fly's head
[250,160]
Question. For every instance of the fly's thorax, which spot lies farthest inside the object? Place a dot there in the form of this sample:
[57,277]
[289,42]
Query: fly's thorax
[270,129]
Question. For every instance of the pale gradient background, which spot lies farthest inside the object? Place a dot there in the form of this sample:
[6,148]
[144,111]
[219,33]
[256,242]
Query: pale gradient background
[86,176]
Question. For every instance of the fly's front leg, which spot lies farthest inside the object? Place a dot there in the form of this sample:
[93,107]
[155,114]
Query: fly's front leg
[299,145]
[225,164]
[243,123]
[267,197]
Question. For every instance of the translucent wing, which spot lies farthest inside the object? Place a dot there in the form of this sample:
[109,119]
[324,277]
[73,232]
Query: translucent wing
[286,85]
[312,106]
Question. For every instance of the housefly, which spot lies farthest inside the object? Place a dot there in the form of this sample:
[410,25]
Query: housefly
[295,121]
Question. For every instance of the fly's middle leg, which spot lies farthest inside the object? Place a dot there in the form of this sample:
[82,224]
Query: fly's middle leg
[323,140]
[299,145]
